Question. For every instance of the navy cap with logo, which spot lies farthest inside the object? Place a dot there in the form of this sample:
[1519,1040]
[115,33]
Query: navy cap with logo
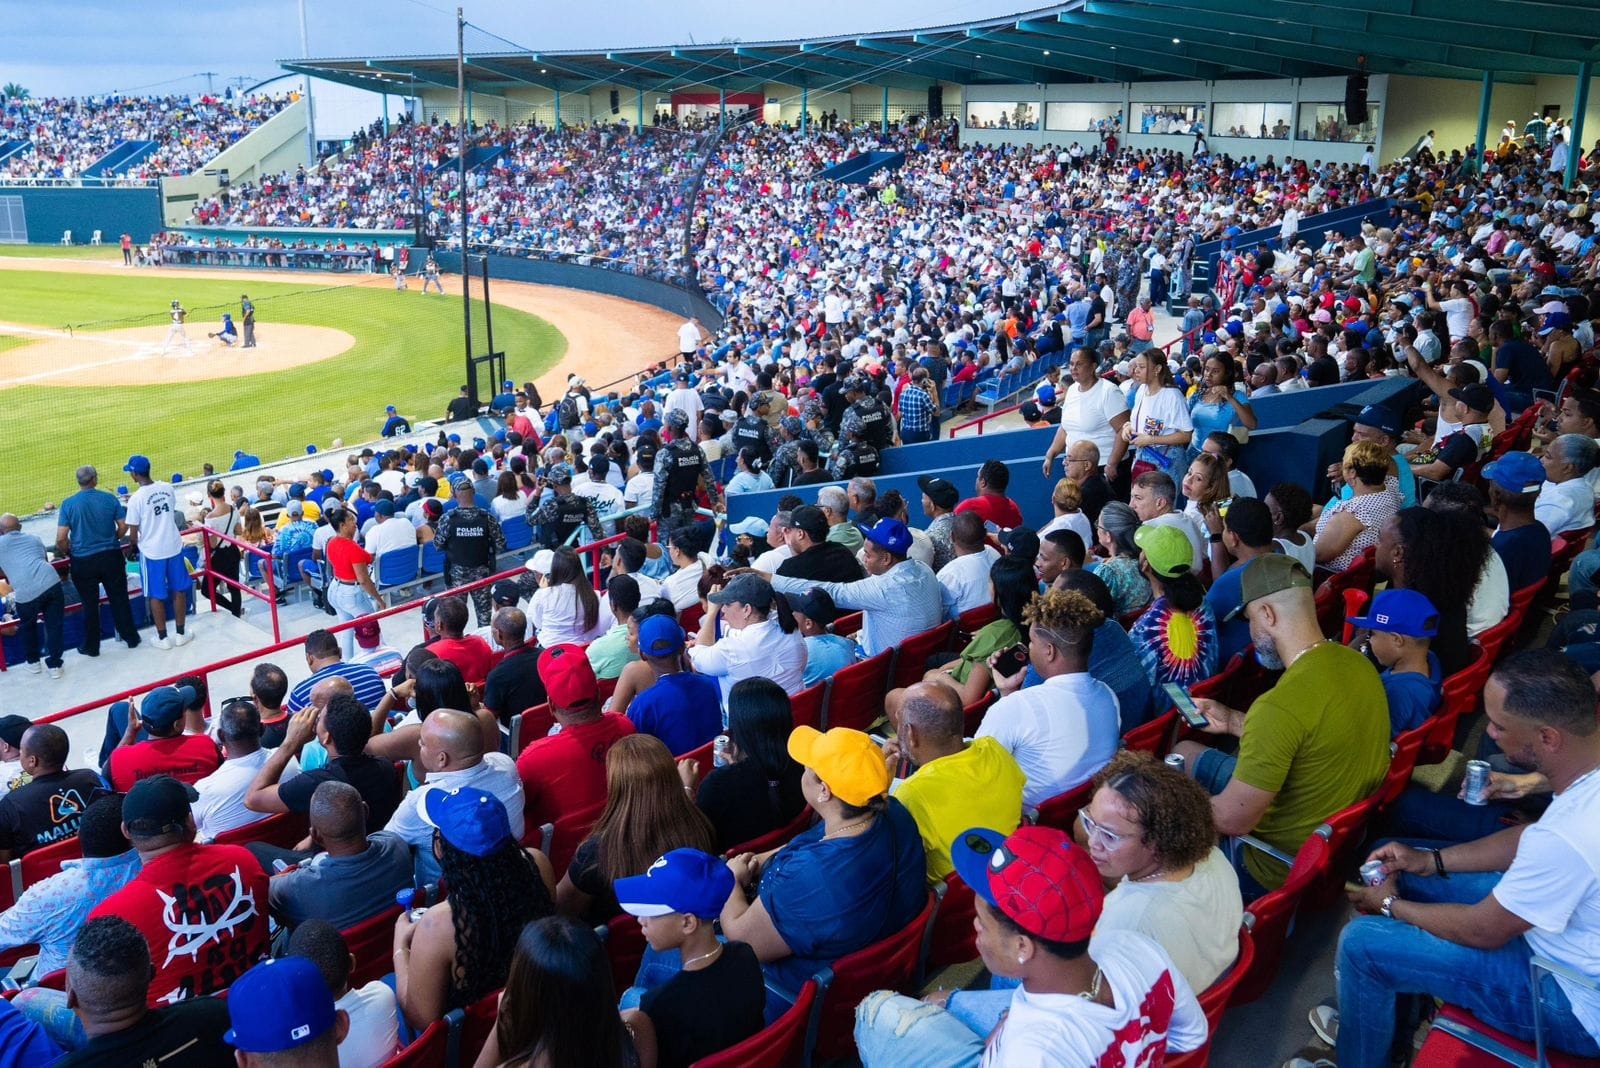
[163,706]
[1381,418]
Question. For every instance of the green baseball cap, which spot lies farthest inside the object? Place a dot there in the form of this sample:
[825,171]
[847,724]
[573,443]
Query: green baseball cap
[1267,575]
[1166,548]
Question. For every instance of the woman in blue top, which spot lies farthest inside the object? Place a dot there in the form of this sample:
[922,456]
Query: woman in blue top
[1219,404]
[747,479]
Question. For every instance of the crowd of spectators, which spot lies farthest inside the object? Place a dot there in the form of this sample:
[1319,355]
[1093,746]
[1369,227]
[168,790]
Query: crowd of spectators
[67,135]
[1094,936]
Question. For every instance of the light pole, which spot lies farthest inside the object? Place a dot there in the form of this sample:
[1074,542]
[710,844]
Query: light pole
[311,109]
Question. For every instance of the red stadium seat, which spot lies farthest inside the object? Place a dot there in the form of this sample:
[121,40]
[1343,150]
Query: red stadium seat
[36,866]
[566,834]
[1239,683]
[527,727]
[1458,1039]
[1275,912]
[781,836]
[847,624]
[1215,999]
[283,829]
[807,705]
[470,1028]
[1402,762]
[427,1051]
[1496,638]
[690,618]
[911,658]
[954,940]
[1330,595]
[1154,737]
[781,1044]
[973,620]
[855,696]
[1348,826]
[705,754]
[891,964]
[624,941]
[1060,810]
[973,714]
[371,943]
[1462,692]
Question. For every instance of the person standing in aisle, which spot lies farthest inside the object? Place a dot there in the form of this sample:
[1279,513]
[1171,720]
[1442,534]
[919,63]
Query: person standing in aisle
[88,531]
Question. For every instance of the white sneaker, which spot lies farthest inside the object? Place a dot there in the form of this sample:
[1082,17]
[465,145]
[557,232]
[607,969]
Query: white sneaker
[34,666]
[55,673]
[183,638]
[1325,1022]
[161,641]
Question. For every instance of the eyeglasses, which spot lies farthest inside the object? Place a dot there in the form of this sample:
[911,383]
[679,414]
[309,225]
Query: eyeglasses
[1108,841]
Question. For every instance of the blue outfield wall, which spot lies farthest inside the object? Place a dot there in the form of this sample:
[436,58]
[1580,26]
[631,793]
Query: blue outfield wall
[664,295]
[48,212]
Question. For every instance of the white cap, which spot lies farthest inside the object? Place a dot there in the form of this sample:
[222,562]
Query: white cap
[541,561]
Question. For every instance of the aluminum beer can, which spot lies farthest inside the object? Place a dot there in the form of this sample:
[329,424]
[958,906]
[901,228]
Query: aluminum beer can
[1372,873]
[719,751]
[1174,761]
[1476,788]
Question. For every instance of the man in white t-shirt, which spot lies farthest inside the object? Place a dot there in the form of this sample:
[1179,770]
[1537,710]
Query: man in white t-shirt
[153,530]
[608,500]
[374,1034]
[1092,409]
[1082,999]
[1525,891]
[389,532]
[689,337]
[682,399]
[965,579]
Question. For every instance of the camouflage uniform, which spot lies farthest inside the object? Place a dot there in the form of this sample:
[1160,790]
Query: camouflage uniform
[564,513]
[786,457]
[681,470]
[471,540]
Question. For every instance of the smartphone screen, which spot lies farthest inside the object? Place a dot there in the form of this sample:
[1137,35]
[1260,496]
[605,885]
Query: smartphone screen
[1011,661]
[1185,705]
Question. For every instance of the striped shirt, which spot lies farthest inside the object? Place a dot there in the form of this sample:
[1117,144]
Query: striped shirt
[367,684]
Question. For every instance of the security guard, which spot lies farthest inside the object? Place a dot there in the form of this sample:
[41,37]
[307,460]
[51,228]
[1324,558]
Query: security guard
[471,540]
[866,414]
[751,432]
[786,457]
[681,470]
[565,511]
[855,457]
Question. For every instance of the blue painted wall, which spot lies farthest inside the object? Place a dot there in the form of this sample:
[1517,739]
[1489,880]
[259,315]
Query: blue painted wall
[135,211]
[663,295]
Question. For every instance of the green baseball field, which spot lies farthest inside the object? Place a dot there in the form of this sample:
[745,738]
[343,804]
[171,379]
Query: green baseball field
[83,378]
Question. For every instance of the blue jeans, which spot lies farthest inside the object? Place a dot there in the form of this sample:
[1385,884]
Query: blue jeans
[1422,813]
[1581,580]
[980,1010]
[915,437]
[892,1029]
[1381,961]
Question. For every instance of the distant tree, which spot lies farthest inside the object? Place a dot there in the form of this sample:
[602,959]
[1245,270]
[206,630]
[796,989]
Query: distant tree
[11,90]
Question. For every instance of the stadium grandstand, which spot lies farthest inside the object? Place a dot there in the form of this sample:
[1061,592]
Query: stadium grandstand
[1104,575]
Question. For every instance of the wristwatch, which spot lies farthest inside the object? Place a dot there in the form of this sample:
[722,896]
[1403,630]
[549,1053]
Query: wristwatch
[1387,907]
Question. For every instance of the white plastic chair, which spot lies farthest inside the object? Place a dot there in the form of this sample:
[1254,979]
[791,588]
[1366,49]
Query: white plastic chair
[66,237]
[95,240]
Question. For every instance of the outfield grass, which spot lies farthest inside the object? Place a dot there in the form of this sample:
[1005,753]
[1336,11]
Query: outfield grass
[109,252]
[408,352]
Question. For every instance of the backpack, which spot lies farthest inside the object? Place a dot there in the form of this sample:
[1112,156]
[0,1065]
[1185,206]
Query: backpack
[567,412]
[864,460]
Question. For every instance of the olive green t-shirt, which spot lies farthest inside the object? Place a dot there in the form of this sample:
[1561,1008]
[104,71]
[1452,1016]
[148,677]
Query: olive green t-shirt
[1319,740]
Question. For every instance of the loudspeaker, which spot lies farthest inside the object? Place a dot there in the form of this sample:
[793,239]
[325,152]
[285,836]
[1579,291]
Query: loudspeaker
[1355,99]
[616,103]
[936,101]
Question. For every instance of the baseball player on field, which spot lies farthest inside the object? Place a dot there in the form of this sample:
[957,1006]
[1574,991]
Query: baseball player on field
[176,330]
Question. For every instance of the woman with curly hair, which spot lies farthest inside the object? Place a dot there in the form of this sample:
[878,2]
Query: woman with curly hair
[648,813]
[461,949]
[1346,530]
[1148,830]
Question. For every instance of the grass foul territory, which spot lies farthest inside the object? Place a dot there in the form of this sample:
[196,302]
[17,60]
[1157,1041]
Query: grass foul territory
[84,379]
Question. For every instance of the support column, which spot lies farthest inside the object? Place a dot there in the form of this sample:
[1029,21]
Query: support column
[885,127]
[804,105]
[469,111]
[558,110]
[722,108]
[641,109]
[1485,95]
[386,114]
[1580,104]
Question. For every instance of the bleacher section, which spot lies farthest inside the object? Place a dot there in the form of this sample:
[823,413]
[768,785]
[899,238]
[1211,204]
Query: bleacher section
[1313,230]
[857,170]
[123,157]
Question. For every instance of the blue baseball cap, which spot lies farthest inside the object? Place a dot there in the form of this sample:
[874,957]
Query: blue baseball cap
[1516,472]
[685,880]
[559,473]
[390,408]
[1380,418]
[660,636]
[1404,612]
[472,820]
[137,465]
[279,1005]
[508,384]
[890,534]
[163,706]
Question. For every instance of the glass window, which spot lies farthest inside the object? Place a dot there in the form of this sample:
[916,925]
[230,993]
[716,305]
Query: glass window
[1000,115]
[1170,118]
[1326,122]
[1247,119]
[1081,115]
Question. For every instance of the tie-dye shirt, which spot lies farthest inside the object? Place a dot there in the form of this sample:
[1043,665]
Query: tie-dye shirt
[1177,647]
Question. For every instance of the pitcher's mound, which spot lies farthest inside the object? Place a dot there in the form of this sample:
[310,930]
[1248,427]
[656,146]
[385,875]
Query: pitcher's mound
[134,357]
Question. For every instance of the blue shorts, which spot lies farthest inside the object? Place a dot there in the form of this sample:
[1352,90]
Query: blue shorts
[163,578]
[1214,770]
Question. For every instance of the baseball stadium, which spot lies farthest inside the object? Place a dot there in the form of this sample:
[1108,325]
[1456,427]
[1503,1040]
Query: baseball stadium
[1059,538]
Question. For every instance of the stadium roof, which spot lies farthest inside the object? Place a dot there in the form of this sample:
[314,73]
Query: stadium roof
[1083,41]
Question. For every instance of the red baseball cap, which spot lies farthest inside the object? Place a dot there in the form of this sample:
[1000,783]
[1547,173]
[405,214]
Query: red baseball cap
[568,677]
[1037,878]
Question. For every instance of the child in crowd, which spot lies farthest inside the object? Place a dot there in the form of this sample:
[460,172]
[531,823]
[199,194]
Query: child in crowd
[1403,624]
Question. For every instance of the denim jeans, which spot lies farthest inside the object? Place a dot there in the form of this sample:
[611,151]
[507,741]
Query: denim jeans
[1422,813]
[892,1029]
[1381,961]
[1581,583]
[50,604]
[349,602]
[980,1010]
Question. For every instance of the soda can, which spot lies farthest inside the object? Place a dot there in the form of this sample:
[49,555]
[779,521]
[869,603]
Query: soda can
[1476,788]
[1174,761]
[719,751]
[1372,873]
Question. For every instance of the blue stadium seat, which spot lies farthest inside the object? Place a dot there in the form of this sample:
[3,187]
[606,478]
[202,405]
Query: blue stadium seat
[397,567]
[432,559]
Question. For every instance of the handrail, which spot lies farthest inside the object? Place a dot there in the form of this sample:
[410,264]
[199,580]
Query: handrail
[267,572]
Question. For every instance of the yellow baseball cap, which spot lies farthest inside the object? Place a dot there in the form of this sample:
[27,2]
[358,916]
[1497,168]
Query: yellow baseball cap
[1166,548]
[848,761]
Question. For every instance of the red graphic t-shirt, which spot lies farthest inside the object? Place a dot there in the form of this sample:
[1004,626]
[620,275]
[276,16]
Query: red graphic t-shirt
[187,758]
[203,910]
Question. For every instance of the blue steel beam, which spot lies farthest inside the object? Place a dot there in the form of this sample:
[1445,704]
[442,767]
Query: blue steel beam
[1144,37]
[1085,45]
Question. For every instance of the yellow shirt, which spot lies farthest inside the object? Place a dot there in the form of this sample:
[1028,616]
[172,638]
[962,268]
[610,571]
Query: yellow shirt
[981,786]
[310,510]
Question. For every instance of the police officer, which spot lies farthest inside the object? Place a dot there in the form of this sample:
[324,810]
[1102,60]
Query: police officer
[681,470]
[564,511]
[751,432]
[471,540]
[786,457]
[855,457]
[866,414]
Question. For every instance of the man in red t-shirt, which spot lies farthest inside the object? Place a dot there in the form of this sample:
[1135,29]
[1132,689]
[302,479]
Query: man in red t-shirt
[186,757]
[202,908]
[468,652]
[991,503]
[566,772]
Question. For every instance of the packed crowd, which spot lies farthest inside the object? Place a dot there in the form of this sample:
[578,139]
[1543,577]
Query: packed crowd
[664,717]
[68,135]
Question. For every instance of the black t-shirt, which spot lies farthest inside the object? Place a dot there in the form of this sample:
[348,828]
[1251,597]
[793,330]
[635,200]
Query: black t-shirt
[1458,450]
[1525,551]
[585,873]
[185,1035]
[703,1012]
[1451,645]
[45,811]
[272,733]
[461,408]
[828,562]
[1096,493]
[741,804]
[513,685]
[374,778]
[811,478]
[1526,364]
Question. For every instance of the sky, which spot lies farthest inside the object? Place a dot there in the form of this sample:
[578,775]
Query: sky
[86,47]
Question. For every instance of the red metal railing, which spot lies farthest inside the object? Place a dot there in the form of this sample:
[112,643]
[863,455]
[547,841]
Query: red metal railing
[212,575]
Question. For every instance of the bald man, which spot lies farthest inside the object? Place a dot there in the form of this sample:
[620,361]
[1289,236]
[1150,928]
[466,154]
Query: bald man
[315,754]
[353,877]
[450,751]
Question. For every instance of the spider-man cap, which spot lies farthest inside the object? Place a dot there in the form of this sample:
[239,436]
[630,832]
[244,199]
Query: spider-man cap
[1037,878]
